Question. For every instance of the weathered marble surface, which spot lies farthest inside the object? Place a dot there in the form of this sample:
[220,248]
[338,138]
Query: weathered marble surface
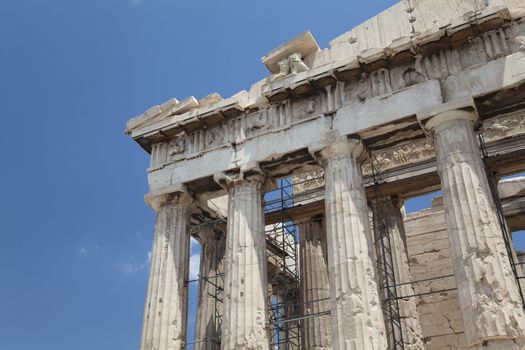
[490,304]
[314,284]
[218,134]
[209,305]
[390,210]
[165,313]
[245,293]
[413,59]
[357,317]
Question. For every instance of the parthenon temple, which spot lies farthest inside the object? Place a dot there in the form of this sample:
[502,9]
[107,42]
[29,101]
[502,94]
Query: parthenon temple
[295,190]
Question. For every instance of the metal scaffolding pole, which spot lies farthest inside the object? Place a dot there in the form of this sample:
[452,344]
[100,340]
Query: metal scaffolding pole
[385,264]
[507,238]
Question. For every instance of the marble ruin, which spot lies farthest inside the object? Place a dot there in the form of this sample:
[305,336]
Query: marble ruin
[295,190]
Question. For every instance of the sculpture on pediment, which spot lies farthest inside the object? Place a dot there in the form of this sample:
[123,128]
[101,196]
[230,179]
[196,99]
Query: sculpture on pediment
[293,64]
[296,64]
[521,41]
[284,68]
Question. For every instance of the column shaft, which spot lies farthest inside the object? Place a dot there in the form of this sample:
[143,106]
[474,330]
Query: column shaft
[165,312]
[357,318]
[315,291]
[245,286]
[488,293]
[209,305]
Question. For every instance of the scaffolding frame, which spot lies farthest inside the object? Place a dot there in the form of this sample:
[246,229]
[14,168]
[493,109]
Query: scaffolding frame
[507,237]
[216,281]
[285,314]
[283,281]
[385,263]
[390,300]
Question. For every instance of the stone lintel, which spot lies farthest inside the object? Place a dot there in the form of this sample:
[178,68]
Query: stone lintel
[485,20]
[304,44]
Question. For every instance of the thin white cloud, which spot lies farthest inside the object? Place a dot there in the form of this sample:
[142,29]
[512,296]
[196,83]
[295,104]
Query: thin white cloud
[87,248]
[136,2]
[129,268]
[195,260]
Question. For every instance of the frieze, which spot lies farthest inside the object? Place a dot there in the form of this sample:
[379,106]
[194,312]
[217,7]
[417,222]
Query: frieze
[308,181]
[504,126]
[400,155]
[437,65]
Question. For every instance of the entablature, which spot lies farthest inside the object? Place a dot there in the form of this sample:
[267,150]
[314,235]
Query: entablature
[375,95]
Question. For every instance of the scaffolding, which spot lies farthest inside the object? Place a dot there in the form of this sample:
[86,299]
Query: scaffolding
[283,275]
[212,338]
[385,263]
[390,286]
[492,178]
[286,310]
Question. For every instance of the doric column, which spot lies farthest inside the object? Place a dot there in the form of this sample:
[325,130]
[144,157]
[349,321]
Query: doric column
[488,293]
[207,327]
[389,209]
[245,286]
[315,290]
[357,318]
[164,325]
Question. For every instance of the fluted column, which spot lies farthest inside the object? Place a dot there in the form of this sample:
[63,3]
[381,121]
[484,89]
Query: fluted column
[164,324]
[357,317]
[315,290]
[390,210]
[207,327]
[488,293]
[245,286]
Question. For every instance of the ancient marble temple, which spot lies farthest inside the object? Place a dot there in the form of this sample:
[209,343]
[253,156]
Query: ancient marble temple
[295,190]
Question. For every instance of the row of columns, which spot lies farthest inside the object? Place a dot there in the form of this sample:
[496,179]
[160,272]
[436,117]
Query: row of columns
[343,269]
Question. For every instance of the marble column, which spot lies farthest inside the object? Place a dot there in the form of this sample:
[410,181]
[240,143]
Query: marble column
[209,304]
[245,318]
[314,285]
[164,324]
[357,317]
[390,210]
[490,304]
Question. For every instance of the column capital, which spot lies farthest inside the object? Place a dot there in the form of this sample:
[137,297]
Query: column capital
[448,113]
[247,173]
[337,148]
[207,234]
[448,118]
[156,201]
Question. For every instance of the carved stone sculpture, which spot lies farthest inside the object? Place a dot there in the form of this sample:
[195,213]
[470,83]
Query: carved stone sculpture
[296,64]
[505,126]
[521,40]
[291,65]
[177,146]
[412,77]
[284,68]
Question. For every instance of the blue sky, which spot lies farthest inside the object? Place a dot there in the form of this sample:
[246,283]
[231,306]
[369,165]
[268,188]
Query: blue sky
[76,234]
